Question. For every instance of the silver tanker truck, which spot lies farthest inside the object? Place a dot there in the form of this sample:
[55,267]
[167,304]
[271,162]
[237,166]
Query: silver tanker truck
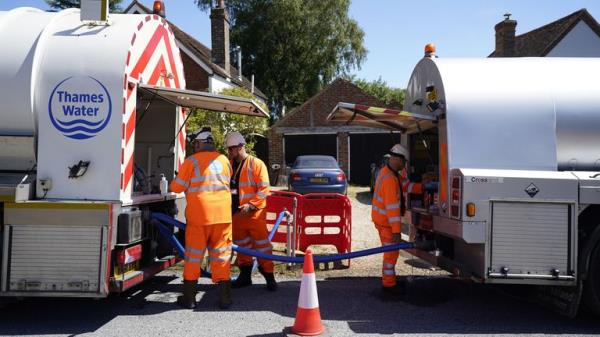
[504,170]
[92,113]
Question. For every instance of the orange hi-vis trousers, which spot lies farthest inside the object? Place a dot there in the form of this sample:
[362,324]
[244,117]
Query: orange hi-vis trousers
[216,239]
[388,277]
[250,231]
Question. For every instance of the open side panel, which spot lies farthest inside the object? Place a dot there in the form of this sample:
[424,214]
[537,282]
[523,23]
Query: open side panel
[205,100]
[349,113]
[158,133]
[155,141]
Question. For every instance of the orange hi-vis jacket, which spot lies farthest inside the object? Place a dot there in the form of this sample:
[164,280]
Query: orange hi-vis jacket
[386,210]
[254,186]
[205,178]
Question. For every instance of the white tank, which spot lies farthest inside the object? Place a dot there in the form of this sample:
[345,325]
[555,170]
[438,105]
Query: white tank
[69,95]
[514,113]
[16,68]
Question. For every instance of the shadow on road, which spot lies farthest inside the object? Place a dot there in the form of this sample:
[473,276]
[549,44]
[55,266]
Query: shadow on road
[364,197]
[431,306]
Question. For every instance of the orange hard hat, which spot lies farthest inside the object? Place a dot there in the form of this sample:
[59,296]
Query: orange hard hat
[430,48]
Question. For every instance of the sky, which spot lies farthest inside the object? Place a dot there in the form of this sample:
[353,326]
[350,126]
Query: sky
[397,30]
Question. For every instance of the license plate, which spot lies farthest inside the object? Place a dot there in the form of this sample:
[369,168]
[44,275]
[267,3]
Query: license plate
[319,180]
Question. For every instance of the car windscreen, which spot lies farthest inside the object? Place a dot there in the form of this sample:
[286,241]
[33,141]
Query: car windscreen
[303,163]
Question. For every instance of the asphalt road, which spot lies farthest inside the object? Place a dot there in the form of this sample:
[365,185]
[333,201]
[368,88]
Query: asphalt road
[349,307]
[350,304]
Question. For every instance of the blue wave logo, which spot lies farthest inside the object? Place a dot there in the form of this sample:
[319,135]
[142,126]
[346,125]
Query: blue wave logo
[80,107]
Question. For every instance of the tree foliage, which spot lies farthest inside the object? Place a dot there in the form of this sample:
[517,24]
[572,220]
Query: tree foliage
[222,123]
[380,89]
[114,5]
[294,47]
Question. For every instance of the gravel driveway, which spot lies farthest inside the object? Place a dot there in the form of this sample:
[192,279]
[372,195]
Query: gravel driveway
[364,236]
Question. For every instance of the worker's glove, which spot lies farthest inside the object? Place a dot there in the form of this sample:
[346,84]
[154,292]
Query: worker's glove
[396,238]
[247,208]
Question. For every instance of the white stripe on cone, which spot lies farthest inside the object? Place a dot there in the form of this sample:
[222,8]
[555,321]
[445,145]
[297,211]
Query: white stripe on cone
[308,292]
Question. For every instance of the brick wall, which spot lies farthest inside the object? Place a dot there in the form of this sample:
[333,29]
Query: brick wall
[343,159]
[313,113]
[196,78]
[219,33]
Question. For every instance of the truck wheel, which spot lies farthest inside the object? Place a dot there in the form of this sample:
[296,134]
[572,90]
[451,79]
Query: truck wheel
[591,289]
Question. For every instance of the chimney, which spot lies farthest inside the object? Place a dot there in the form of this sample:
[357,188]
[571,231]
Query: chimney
[505,37]
[219,27]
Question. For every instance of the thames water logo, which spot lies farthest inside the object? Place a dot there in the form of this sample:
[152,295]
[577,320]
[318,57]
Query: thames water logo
[80,107]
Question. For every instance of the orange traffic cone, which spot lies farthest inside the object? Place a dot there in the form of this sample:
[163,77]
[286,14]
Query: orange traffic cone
[308,316]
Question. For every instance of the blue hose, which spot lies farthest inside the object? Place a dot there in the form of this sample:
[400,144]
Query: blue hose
[290,259]
[328,258]
[271,235]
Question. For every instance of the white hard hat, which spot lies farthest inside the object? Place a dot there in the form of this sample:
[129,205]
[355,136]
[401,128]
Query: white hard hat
[399,150]
[204,135]
[234,138]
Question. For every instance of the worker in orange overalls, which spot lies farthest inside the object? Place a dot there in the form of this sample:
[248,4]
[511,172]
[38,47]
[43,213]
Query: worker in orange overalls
[249,190]
[386,212]
[205,177]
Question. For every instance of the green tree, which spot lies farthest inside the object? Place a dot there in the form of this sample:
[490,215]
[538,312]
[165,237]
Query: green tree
[379,88]
[62,4]
[294,46]
[222,122]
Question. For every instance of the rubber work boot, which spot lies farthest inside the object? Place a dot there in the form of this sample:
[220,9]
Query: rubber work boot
[188,299]
[270,278]
[244,279]
[224,294]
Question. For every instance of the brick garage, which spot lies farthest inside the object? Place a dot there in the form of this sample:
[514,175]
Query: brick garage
[305,130]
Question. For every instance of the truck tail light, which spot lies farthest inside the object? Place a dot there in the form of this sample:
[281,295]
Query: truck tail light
[455,196]
[129,255]
[341,177]
[455,200]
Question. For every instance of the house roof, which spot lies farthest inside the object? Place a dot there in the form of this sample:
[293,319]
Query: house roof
[203,53]
[540,41]
[324,102]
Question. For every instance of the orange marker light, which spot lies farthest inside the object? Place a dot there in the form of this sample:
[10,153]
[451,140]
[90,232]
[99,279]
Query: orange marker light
[158,8]
[430,48]
[471,209]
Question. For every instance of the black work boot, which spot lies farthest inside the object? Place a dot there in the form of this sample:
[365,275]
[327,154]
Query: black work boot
[188,299]
[244,279]
[398,290]
[270,278]
[224,294]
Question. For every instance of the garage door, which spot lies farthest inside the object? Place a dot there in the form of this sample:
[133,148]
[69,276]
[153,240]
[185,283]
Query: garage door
[365,149]
[298,145]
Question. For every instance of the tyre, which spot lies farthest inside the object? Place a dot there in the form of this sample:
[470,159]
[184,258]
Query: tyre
[591,289]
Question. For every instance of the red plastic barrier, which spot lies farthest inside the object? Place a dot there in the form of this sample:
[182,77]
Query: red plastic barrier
[326,220]
[277,201]
[322,219]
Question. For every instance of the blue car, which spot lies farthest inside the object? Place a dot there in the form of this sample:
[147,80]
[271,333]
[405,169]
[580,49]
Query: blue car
[317,174]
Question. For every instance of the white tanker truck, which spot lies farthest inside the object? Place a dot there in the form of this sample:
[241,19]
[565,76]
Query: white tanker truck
[91,115]
[504,170]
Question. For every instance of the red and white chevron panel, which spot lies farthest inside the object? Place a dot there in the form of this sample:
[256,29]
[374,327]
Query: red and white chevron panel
[153,59]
